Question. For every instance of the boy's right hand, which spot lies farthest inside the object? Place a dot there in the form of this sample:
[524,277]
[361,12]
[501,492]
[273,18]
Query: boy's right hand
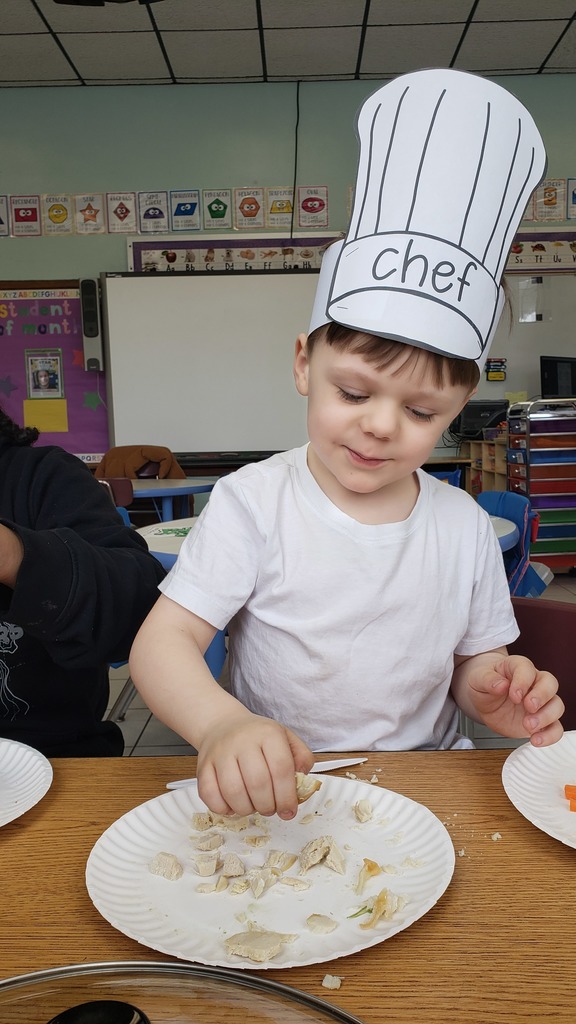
[247,763]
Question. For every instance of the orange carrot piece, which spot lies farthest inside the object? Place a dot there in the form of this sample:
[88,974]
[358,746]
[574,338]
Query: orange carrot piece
[570,792]
[573,805]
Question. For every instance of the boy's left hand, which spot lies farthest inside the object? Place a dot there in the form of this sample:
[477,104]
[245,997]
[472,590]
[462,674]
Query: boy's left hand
[515,699]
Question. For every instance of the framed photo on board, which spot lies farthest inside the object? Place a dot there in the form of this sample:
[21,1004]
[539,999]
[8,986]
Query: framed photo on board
[44,373]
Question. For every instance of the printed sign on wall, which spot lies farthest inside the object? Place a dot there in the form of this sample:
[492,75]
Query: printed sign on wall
[153,212]
[58,215]
[89,214]
[228,254]
[543,251]
[217,207]
[279,207]
[25,215]
[121,212]
[4,217]
[313,206]
[248,208]
[185,210]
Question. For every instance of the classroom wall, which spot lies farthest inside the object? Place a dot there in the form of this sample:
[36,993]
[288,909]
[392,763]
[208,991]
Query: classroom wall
[143,138]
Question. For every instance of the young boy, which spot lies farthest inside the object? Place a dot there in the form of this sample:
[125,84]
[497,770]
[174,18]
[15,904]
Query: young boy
[366,601]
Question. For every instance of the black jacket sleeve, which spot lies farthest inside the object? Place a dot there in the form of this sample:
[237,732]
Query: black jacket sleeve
[86,581]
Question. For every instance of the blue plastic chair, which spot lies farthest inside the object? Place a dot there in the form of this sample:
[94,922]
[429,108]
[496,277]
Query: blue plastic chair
[447,476]
[523,579]
[123,513]
[214,655]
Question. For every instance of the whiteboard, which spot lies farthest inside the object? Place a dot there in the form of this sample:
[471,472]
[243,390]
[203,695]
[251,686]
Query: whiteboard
[203,362]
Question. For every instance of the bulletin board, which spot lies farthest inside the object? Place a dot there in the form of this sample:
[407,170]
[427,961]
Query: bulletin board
[43,382]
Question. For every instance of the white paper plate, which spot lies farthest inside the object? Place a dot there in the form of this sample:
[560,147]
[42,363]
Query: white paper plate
[25,776]
[174,918]
[534,780]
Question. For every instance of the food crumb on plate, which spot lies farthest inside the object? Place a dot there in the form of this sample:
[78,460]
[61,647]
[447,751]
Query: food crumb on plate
[331,981]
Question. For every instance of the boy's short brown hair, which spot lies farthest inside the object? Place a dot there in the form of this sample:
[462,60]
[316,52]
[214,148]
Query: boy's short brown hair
[384,352]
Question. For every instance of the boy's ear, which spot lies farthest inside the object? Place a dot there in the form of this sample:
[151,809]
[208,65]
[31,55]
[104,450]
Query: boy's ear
[301,365]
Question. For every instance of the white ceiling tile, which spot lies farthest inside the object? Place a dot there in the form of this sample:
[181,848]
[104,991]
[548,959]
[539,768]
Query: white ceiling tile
[316,51]
[210,55]
[523,10]
[399,48]
[304,14]
[507,45]
[116,55]
[35,57]
[564,55]
[315,40]
[178,15]
[17,17]
[112,17]
[418,12]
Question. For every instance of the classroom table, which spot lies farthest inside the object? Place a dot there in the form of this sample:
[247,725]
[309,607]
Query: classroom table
[167,490]
[499,946]
[506,531]
[165,539]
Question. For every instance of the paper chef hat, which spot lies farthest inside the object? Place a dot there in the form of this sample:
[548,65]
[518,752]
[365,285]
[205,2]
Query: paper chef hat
[447,164]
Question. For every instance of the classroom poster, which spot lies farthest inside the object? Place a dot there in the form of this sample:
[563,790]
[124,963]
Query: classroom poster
[89,214]
[185,210]
[43,382]
[57,215]
[313,206]
[4,217]
[227,254]
[25,216]
[121,212]
[217,208]
[153,213]
[542,251]
[550,200]
[279,207]
[249,208]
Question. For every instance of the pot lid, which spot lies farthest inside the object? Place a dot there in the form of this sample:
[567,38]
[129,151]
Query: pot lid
[167,993]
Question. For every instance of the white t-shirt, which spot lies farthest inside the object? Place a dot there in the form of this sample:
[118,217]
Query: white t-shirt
[341,631]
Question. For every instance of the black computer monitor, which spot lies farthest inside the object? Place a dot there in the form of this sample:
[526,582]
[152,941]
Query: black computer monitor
[557,377]
[476,416]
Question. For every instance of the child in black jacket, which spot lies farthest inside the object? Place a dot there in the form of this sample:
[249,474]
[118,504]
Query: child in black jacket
[75,585]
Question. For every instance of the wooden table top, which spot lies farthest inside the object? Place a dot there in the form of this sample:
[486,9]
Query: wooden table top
[499,946]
